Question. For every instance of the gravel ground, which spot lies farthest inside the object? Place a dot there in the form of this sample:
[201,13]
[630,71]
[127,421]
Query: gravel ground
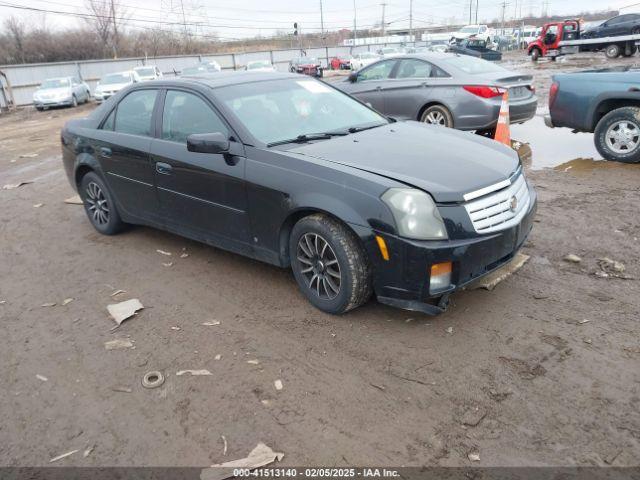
[541,371]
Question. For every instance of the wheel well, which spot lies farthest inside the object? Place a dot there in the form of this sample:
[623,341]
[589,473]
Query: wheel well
[431,104]
[609,105]
[287,226]
[81,172]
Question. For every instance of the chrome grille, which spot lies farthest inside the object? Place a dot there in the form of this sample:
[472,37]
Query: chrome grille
[502,209]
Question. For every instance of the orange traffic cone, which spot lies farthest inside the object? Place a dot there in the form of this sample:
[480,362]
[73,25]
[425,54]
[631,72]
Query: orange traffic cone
[503,134]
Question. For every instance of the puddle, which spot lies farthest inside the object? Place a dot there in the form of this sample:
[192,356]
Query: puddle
[587,165]
[551,147]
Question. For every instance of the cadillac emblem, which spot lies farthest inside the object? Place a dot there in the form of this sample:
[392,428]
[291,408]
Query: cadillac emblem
[513,204]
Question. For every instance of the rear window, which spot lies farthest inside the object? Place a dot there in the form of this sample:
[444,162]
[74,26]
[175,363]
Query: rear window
[472,66]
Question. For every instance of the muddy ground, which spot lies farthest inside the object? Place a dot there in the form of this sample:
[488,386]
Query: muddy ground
[541,371]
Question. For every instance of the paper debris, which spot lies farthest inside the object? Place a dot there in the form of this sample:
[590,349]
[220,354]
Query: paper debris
[50,304]
[123,310]
[449,330]
[122,389]
[64,455]
[118,344]
[168,254]
[118,292]
[176,328]
[260,456]
[474,456]
[167,264]
[184,255]
[224,441]
[11,186]
[583,321]
[278,384]
[75,200]
[38,205]
[572,258]
[211,324]
[67,301]
[42,377]
[28,155]
[88,451]
[193,372]
[217,357]
[253,362]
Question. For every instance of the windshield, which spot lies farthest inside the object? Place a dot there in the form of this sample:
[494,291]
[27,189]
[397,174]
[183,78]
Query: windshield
[116,78]
[472,65]
[279,110]
[258,64]
[55,83]
[146,72]
[469,30]
[193,70]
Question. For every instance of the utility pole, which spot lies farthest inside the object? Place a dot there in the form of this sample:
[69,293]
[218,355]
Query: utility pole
[411,21]
[470,8]
[321,23]
[115,30]
[184,24]
[477,2]
[504,8]
[355,26]
[383,25]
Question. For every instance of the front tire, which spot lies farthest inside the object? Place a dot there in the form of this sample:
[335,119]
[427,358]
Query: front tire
[535,55]
[632,52]
[99,205]
[617,135]
[330,265]
[437,115]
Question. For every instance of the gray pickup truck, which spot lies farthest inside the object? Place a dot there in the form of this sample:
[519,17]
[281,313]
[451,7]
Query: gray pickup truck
[606,102]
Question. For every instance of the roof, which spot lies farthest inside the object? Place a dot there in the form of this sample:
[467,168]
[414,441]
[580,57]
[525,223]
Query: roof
[223,79]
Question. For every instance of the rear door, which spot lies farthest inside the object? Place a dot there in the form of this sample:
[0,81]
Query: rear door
[370,81]
[121,146]
[409,88]
[201,192]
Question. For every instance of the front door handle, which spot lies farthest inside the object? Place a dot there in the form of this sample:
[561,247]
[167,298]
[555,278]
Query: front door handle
[105,152]
[164,168]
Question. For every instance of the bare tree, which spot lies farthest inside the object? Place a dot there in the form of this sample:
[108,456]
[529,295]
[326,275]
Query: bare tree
[17,33]
[107,18]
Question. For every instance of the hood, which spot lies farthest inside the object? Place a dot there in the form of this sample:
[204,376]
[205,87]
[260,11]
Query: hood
[52,92]
[112,87]
[444,162]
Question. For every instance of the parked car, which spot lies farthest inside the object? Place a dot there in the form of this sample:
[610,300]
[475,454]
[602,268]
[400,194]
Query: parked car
[260,66]
[148,72]
[58,92]
[475,48]
[112,83]
[293,172]
[443,88]
[478,31]
[306,65]
[196,70]
[211,65]
[389,51]
[628,24]
[340,63]
[363,59]
[606,102]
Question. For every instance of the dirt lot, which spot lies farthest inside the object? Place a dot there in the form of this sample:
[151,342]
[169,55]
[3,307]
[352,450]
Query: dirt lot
[541,371]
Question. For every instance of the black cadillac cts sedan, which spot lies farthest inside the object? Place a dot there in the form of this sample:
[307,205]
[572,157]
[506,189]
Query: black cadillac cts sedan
[288,170]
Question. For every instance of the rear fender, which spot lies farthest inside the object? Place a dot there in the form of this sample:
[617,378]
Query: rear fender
[608,101]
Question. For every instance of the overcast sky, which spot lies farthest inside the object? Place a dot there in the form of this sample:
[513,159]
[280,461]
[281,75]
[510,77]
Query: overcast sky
[242,18]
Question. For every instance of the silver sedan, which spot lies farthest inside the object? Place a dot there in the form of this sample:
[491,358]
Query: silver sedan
[443,88]
[63,91]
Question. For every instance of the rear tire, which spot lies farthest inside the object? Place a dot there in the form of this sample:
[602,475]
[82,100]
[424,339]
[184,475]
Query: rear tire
[631,53]
[99,205]
[612,51]
[437,115]
[329,264]
[617,135]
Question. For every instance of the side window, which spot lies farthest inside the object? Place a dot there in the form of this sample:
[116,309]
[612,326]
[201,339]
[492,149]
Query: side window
[412,68]
[379,71]
[186,113]
[134,113]
[438,73]
[110,121]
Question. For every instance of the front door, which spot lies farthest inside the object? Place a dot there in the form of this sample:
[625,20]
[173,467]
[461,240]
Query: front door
[201,192]
[121,146]
[369,84]
[408,89]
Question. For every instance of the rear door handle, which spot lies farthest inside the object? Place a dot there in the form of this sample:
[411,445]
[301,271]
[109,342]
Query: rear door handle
[105,152]
[164,168]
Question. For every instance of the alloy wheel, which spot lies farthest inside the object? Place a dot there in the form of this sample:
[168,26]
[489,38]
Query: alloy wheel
[97,204]
[623,137]
[435,118]
[320,266]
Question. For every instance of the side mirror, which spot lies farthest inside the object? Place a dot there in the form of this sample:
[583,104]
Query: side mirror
[353,77]
[208,143]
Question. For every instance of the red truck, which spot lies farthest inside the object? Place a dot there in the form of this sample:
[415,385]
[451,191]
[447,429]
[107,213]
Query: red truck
[564,38]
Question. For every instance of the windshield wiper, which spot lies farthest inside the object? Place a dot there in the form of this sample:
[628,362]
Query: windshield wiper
[361,129]
[307,137]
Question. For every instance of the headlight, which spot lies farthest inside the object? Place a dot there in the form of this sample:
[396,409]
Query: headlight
[415,213]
